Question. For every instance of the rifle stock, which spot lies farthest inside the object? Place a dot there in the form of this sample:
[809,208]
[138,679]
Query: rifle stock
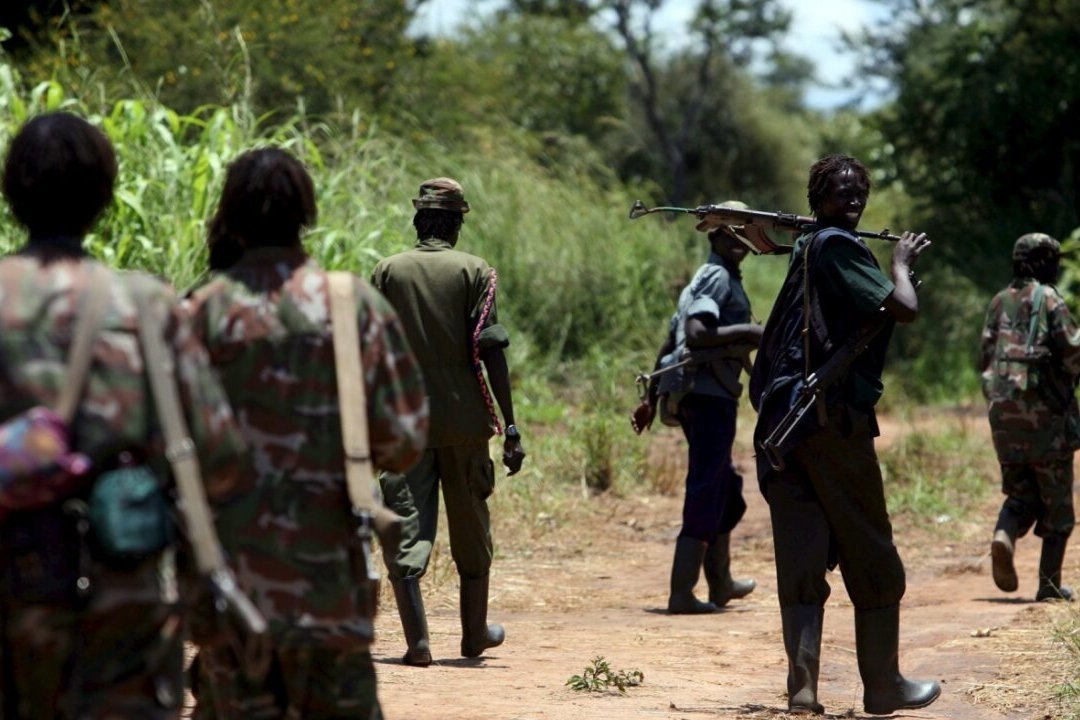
[778,442]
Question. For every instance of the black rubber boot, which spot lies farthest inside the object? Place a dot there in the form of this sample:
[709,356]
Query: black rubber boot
[717,565]
[1053,555]
[802,641]
[410,605]
[476,635]
[1002,549]
[689,554]
[877,644]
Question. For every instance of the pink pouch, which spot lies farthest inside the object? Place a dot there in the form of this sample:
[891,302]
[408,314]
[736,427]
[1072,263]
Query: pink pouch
[37,466]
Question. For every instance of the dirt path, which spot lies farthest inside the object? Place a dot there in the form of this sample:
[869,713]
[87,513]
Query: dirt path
[563,604]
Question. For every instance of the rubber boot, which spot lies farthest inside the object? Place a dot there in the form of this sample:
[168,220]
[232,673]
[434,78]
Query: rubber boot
[413,620]
[877,645]
[689,554]
[1002,549]
[476,635]
[802,641]
[717,565]
[1053,555]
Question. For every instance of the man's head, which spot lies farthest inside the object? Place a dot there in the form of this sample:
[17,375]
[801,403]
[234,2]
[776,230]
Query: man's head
[440,209]
[59,175]
[1036,255]
[267,200]
[730,241]
[838,189]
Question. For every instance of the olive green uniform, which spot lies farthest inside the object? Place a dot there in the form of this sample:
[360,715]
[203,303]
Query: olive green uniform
[440,295]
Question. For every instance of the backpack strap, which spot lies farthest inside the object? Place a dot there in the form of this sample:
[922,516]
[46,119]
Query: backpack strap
[94,300]
[1037,304]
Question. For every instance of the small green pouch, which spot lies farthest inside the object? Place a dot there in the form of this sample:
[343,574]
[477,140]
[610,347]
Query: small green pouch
[130,515]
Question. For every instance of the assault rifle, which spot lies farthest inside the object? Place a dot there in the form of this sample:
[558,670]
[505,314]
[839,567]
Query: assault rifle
[753,222]
[697,357]
[812,390]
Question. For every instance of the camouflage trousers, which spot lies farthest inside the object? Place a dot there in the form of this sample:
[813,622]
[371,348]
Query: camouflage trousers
[304,683]
[124,664]
[1040,494]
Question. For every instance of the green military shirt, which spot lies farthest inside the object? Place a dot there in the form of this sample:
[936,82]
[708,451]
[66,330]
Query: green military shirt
[851,288]
[439,294]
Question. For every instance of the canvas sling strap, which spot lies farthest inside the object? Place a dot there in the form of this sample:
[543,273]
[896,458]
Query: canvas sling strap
[82,344]
[229,599]
[352,401]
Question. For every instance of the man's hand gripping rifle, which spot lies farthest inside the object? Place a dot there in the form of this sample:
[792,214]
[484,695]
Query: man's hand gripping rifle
[812,390]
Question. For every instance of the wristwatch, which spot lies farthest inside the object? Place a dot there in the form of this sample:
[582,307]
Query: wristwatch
[512,433]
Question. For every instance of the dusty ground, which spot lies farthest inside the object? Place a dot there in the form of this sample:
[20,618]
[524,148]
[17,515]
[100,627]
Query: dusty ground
[604,593]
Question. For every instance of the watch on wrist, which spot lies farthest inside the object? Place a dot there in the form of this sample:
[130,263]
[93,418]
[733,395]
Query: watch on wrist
[512,433]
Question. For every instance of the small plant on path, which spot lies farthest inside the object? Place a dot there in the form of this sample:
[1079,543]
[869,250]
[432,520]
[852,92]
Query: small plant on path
[599,677]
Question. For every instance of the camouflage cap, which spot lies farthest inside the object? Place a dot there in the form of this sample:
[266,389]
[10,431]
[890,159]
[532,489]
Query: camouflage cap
[1026,243]
[441,193]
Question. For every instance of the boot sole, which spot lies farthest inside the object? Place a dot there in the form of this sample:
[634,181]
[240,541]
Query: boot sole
[1003,569]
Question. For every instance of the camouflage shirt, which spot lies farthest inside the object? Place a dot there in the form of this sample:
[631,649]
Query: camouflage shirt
[41,291]
[39,302]
[266,323]
[1030,385]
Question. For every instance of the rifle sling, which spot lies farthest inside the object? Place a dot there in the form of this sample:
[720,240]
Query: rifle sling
[179,448]
[82,344]
[352,400]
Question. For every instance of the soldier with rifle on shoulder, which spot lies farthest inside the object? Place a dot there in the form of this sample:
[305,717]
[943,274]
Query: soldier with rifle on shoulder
[820,475]
[696,386]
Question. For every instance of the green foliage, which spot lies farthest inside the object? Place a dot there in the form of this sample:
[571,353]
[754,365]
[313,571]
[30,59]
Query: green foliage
[938,474]
[599,677]
[984,127]
[543,74]
[275,52]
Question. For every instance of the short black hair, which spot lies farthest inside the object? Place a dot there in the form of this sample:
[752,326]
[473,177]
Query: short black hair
[267,200]
[59,174]
[825,168]
[437,223]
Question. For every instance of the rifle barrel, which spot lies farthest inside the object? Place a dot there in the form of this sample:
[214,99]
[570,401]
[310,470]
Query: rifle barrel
[737,216]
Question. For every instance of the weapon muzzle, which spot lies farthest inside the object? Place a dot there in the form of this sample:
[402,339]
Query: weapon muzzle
[638,209]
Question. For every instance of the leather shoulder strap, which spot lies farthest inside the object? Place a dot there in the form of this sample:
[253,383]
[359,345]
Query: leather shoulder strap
[179,447]
[82,345]
[352,394]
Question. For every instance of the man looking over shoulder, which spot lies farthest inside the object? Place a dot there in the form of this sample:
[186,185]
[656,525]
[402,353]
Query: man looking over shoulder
[827,498]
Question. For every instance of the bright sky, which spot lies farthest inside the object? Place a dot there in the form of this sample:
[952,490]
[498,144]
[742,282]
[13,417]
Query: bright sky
[815,32]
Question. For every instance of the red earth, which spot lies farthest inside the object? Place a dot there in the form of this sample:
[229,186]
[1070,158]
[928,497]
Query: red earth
[599,588]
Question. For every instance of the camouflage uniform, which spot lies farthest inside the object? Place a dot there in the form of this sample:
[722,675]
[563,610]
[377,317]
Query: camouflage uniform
[1030,360]
[116,653]
[266,324]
